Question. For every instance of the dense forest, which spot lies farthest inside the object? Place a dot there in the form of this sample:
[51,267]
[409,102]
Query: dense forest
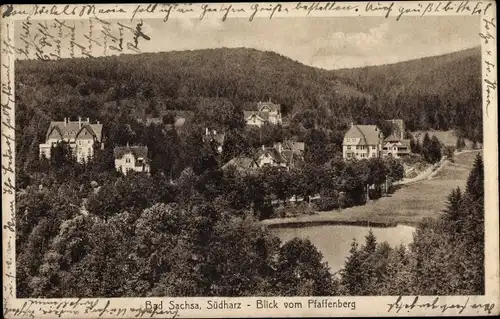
[86,230]
[213,86]
[143,237]
[440,92]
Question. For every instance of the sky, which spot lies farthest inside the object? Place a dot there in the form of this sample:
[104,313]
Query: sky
[326,42]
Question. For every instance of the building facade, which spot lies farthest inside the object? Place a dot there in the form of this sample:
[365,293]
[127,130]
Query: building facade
[267,112]
[131,158]
[396,147]
[362,142]
[82,136]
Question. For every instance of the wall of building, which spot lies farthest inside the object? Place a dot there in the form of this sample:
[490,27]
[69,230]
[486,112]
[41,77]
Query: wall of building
[128,163]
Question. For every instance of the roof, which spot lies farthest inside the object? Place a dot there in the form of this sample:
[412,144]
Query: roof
[137,151]
[241,163]
[368,134]
[392,138]
[269,105]
[273,152]
[294,146]
[72,129]
[263,115]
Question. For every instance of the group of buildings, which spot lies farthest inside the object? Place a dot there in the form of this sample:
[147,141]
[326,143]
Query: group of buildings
[85,137]
[367,141]
[360,142]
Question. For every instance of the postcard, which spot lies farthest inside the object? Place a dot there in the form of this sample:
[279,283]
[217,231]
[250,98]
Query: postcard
[218,160]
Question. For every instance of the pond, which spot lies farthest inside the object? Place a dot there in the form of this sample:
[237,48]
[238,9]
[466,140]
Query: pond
[334,241]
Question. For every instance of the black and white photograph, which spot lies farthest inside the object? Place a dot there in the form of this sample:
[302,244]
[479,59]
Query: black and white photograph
[271,156]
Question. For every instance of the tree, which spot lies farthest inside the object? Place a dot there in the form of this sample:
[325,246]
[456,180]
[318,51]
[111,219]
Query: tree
[415,146]
[61,155]
[426,147]
[475,181]
[352,275]
[435,150]
[460,145]
[301,272]
[452,210]
[395,169]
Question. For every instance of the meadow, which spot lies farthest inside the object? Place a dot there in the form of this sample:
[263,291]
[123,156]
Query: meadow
[407,206]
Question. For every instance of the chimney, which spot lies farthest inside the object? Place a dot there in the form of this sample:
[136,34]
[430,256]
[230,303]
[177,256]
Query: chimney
[79,122]
[65,121]
[263,148]
[88,119]
[206,130]
[352,124]
[215,132]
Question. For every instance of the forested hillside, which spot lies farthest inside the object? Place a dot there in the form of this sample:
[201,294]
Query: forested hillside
[438,92]
[441,92]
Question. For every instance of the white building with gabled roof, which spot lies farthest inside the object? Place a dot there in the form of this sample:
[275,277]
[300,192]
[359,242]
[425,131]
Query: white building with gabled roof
[362,142]
[82,136]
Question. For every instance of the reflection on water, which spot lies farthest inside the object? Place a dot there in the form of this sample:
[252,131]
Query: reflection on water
[334,241]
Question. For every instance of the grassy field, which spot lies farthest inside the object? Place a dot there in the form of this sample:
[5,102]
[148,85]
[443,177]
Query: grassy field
[408,205]
[448,138]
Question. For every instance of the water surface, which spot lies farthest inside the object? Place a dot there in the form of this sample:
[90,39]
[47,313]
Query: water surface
[334,241]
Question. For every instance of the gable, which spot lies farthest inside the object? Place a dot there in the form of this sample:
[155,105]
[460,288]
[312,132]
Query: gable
[85,132]
[54,133]
[265,108]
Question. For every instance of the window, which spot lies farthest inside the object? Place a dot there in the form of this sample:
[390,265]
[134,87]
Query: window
[373,147]
[127,160]
[348,147]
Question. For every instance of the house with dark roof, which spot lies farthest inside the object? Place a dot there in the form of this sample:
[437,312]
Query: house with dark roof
[131,158]
[362,142]
[267,112]
[287,154]
[82,136]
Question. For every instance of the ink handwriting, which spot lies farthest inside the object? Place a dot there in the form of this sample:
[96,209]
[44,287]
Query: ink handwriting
[91,307]
[490,84]
[399,305]
[49,40]
[250,10]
